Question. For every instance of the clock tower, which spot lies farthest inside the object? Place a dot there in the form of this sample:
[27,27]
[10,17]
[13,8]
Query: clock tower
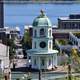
[42,33]
[42,55]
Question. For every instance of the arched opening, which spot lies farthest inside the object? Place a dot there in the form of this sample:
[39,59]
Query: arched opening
[34,44]
[42,62]
[35,33]
[42,33]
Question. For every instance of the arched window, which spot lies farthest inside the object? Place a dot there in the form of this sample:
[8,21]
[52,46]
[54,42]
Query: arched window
[35,33]
[34,44]
[50,33]
[42,32]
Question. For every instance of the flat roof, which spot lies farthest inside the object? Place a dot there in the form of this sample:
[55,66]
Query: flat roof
[67,18]
[64,18]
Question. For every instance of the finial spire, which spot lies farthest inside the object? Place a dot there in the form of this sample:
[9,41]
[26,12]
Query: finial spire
[42,12]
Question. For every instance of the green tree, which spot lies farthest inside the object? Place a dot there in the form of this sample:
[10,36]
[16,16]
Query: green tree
[11,44]
[26,42]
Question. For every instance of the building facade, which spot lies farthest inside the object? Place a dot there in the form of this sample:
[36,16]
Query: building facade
[70,22]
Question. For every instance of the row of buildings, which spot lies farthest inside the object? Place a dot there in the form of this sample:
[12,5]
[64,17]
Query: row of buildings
[8,34]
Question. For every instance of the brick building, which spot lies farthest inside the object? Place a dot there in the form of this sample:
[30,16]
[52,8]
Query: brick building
[70,22]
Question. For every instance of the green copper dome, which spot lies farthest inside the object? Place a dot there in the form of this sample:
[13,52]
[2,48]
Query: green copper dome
[41,20]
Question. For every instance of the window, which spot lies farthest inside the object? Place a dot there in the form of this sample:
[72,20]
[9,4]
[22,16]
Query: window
[49,33]
[49,62]
[42,32]
[34,44]
[29,57]
[43,62]
[35,33]
[65,24]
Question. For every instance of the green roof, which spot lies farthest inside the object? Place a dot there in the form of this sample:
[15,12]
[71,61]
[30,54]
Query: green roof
[41,20]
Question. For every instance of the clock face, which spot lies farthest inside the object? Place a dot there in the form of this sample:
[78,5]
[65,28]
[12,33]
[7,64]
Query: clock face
[42,44]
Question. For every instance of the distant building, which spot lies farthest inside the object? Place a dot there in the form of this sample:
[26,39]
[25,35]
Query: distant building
[10,33]
[1,14]
[70,22]
[4,57]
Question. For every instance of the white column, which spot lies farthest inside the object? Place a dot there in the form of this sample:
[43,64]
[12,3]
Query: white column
[52,62]
[56,60]
[47,62]
[10,36]
[32,61]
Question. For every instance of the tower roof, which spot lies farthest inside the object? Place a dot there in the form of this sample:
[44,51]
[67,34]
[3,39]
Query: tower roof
[42,20]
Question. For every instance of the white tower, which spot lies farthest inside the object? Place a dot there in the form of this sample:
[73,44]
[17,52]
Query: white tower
[41,55]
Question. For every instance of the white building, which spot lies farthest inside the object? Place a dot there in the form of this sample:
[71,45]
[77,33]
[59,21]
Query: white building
[4,57]
[42,55]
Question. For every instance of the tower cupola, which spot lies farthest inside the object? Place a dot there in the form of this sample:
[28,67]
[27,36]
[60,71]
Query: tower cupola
[42,20]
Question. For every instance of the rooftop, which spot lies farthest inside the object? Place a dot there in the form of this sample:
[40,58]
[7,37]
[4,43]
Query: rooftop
[64,18]
[71,17]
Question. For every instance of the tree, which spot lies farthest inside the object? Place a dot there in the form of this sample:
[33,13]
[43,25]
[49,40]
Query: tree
[74,53]
[11,44]
[26,42]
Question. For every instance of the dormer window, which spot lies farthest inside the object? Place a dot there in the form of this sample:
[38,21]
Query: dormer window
[42,33]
